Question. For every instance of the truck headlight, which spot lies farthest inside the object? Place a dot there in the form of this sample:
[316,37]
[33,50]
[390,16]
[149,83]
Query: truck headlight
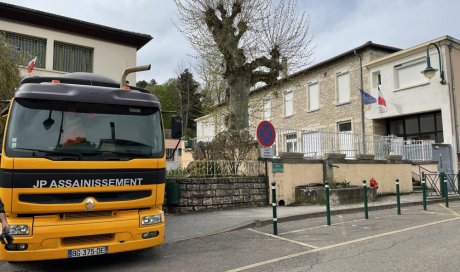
[151,219]
[19,229]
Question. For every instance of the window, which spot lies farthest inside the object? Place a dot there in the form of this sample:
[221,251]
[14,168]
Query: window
[291,142]
[408,74]
[313,96]
[267,109]
[169,152]
[343,88]
[72,58]
[344,127]
[31,46]
[83,131]
[288,103]
[426,126]
[376,80]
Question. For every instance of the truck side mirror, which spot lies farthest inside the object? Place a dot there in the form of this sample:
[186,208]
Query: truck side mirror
[176,127]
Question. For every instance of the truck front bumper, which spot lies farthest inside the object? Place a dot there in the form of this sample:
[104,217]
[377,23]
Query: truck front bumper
[55,239]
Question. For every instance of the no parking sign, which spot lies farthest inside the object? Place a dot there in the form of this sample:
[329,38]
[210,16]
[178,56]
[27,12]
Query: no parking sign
[266,134]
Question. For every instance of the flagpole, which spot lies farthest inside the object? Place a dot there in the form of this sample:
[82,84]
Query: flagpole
[362,102]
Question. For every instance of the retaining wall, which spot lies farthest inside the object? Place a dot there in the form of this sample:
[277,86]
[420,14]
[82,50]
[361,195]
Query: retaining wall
[211,194]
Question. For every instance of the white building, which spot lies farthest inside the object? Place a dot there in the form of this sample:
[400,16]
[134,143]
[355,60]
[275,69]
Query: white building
[64,45]
[419,108]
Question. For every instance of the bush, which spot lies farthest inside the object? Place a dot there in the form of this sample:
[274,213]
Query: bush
[177,173]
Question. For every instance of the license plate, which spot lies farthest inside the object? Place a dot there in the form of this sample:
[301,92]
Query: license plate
[83,252]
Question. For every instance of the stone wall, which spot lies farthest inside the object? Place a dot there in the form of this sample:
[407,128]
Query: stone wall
[211,194]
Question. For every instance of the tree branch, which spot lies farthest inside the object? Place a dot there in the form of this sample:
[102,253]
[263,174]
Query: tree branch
[222,10]
[212,21]
[266,77]
[236,9]
[242,28]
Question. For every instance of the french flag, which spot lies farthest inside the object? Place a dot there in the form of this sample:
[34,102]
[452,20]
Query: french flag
[382,104]
[31,65]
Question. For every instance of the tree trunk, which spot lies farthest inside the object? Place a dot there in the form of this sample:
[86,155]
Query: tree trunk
[240,85]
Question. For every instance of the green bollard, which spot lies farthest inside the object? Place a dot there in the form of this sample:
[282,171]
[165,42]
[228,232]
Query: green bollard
[366,211]
[441,184]
[446,190]
[328,207]
[398,197]
[458,182]
[275,219]
[424,190]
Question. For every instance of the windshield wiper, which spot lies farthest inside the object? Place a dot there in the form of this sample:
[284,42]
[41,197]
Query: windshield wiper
[116,155]
[48,153]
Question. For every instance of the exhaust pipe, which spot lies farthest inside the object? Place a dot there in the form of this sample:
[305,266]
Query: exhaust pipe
[130,70]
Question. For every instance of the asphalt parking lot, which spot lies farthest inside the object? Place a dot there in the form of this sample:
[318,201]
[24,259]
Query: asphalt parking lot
[351,243]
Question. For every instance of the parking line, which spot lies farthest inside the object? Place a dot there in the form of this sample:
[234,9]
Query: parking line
[274,260]
[342,223]
[282,238]
[321,226]
[449,209]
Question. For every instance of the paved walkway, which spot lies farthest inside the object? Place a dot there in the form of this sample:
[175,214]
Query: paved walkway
[185,226]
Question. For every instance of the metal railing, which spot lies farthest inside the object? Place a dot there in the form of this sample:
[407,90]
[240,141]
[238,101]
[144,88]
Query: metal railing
[207,168]
[418,150]
[318,143]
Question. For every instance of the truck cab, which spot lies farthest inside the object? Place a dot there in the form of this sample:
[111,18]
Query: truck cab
[82,168]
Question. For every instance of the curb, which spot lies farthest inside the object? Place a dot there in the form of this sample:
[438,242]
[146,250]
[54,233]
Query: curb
[261,223]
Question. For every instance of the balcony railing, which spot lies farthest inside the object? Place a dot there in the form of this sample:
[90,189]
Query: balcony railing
[317,144]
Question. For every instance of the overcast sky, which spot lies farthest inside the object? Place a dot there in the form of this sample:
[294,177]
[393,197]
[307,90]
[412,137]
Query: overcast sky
[337,25]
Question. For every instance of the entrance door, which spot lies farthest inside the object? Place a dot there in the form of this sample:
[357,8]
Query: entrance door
[442,154]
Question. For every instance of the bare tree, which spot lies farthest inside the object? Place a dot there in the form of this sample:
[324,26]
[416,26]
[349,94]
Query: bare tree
[254,40]
[10,76]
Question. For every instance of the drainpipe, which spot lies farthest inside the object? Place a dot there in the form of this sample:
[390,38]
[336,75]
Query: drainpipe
[452,92]
[361,99]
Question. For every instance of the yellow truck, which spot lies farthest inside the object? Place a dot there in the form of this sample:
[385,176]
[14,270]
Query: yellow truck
[82,168]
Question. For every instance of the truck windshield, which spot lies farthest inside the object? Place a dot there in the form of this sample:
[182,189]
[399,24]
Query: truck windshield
[83,131]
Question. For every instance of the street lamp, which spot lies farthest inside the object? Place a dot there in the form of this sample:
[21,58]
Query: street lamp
[429,71]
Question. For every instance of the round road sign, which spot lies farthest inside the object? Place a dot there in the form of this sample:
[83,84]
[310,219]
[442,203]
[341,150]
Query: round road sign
[266,133]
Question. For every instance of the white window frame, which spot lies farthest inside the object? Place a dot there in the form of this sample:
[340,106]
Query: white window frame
[422,80]
[348,96]
[291,141]
[291,103]
[267,109]
[309,97]
[376,75]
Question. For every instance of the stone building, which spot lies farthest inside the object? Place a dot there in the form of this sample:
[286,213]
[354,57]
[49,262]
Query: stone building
[323,96]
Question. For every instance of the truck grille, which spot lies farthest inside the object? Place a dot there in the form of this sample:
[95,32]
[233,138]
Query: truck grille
[80,197]
[87,239]
[78,215]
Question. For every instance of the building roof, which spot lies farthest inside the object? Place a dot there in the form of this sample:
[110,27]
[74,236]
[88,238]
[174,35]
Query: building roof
[367,45]
[44,19]
[411,50]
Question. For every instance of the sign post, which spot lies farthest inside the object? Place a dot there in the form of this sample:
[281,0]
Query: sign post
[266,136]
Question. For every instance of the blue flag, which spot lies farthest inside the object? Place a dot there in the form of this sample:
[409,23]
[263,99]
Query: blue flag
[367,98]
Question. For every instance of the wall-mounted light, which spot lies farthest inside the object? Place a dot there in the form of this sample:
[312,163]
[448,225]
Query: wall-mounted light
[429,71]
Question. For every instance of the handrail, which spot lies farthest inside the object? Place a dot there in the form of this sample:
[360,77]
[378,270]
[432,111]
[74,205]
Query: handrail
[419,166]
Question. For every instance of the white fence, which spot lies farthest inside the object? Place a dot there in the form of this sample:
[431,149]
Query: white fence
[316,144]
